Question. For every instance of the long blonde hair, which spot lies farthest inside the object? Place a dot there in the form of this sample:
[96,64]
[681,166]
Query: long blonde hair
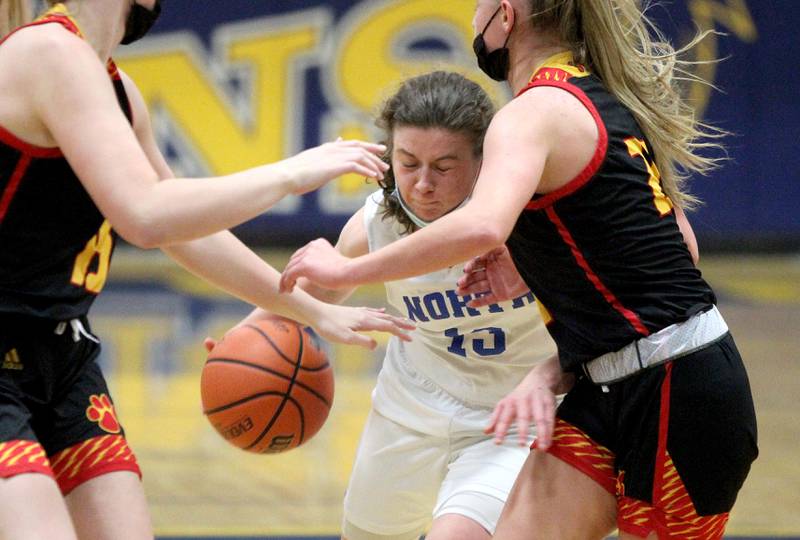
[13,13]
[622,46]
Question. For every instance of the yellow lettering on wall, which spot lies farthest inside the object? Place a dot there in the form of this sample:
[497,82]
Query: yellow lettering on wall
[734,16]
[176,82]
[369,61]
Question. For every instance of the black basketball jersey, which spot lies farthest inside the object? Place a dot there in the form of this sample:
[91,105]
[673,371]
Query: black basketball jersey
[56,245]
[604,254]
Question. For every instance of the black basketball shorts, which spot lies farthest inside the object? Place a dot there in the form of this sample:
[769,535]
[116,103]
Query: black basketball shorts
[673,443]
[56,415]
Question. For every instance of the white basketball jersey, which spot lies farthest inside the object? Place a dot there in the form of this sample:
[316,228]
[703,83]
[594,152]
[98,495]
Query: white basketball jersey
[476,355]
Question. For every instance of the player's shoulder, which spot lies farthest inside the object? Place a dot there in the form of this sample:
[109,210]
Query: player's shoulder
[546,102]
[541,113]
[524,119]
[48,53]
[45,43]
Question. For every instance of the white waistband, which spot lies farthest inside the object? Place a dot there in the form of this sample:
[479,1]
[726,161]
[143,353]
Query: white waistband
[667,344]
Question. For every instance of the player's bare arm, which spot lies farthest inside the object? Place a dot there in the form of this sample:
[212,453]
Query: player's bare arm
[83,118]
[464,233]
[245,275]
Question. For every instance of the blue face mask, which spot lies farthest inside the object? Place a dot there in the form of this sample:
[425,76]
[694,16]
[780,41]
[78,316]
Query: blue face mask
[496,63]
[140,21]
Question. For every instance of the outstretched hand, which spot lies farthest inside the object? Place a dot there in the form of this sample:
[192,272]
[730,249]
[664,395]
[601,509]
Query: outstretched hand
[343,324]
[314,167]
[491,278]
[532,401]
[320,263]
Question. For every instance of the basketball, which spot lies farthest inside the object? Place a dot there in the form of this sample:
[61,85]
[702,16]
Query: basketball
[267,386]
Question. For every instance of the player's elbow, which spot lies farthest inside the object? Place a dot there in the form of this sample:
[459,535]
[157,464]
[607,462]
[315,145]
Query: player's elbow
[489,234]
[140,237]
[138,228]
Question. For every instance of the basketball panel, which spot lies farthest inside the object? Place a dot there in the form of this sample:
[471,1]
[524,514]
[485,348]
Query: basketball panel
[224,383]
[288,430]
[317,385]
[242,424]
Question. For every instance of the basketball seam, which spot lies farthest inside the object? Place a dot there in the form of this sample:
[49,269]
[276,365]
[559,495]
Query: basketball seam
[270,371]
[281,353]
[286,396]
[240,401]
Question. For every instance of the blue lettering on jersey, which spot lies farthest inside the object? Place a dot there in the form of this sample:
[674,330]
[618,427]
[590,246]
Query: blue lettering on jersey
[438,306]
[519,301]
[415,312]
[459,304]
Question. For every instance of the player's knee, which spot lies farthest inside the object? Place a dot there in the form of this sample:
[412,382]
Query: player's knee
[470,514]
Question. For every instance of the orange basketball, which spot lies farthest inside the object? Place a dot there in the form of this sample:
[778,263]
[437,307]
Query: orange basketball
[267,387]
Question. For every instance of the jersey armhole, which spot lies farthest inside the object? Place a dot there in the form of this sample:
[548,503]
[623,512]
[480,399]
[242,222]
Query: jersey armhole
[598,157]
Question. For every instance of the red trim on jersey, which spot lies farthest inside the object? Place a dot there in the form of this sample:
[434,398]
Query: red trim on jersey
[63,20]
[599,153]
[27,148]
[629,315]
[13,184]
[9,138]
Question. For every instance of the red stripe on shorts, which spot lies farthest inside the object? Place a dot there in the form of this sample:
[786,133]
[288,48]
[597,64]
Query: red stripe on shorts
[92,458]
[672,516]
[21,456]
[576,448]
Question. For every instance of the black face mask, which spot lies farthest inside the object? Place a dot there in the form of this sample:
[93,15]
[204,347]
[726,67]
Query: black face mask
[495,64]
[139,22]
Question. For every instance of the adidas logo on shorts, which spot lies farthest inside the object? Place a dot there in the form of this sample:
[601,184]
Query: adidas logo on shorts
[11,360]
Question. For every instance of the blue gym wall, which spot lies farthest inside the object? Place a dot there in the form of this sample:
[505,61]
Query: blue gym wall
[348,54]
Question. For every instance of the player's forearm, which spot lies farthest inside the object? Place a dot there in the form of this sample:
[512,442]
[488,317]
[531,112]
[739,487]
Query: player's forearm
[225,262]
[182,209]
[446,242]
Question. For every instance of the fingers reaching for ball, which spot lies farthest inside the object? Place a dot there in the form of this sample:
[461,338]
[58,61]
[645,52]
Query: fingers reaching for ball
[345,324]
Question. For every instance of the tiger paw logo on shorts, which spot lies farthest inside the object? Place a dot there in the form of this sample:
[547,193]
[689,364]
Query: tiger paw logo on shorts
[101,411]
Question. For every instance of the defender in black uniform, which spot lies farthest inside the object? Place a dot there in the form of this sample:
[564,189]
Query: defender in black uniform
[56,252]
[77,156]
[645,419]
[581,178]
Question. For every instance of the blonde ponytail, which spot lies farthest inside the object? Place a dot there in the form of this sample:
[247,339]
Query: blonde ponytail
[13,13]
[622,46]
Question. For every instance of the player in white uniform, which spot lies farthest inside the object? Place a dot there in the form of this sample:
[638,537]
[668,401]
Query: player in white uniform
[423,452]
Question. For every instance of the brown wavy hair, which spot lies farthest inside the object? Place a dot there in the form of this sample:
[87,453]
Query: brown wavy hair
[439,99]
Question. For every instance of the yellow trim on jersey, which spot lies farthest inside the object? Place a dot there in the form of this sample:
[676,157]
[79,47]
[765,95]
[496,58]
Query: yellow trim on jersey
[545,313]
[564,61]
[61,9]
